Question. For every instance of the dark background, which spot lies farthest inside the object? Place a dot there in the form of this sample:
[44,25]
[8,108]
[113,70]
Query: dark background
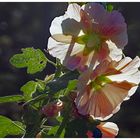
[27,25]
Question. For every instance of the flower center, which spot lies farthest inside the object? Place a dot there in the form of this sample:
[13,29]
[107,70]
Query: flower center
[91,42]
[99,82]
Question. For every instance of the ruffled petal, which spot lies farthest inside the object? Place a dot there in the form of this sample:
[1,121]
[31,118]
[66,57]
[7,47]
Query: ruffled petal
[67,24]
[73,11]
[86,22]
[115,53]
[129,71]
[110,25]
[102,104]
[121,39]
[108,129]
[96,12]
[72,62]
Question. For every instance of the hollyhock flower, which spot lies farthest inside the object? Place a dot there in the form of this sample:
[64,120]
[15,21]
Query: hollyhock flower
[109,85]
[52,109]
[87,31]
[104,130]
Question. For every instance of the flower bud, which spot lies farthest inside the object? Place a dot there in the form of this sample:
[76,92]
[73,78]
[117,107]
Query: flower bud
[52,109]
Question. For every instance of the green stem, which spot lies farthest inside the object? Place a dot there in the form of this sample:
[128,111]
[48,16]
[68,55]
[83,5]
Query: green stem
[36,99]
[65,120]
[51,62]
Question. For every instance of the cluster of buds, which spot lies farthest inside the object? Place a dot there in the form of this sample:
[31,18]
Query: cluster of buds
[91,39]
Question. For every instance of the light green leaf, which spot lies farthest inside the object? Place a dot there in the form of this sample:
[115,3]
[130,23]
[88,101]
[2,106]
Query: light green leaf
[109,7]
[13,98]
[33,59]
[59,118]
[28,89]
[71,86]
[40,85]
[53,131]
[9,127]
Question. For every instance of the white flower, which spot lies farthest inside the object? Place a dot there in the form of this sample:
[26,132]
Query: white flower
[84,32]
[107,87]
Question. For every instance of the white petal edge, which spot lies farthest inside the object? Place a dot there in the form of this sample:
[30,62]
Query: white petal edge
[112,127]
[73,11]
[115,52]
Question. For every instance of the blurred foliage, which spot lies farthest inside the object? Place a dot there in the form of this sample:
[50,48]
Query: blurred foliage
[27,25]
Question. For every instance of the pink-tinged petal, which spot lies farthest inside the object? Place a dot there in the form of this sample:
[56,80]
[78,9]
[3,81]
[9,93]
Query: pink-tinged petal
[102,104]
[67,24]
[83,80]
[110,25]
[108,129]
[72,62]
[117,93]
[121,39]
[109,51]
[96,11]
[86,22]
[113,24]
[101,108]
[103,52]
[104,68]
[100,69]
[86,61]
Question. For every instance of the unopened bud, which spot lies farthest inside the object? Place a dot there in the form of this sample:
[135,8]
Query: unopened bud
[52,109]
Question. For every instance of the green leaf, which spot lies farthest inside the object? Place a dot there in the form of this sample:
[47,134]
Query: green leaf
[109,7]
[59,119]
[64,92]
[13,98]
[33,59]
[71,86]
[41,85]
[9,127]
[62,82]
[53,131]
[28,89]
[31,87]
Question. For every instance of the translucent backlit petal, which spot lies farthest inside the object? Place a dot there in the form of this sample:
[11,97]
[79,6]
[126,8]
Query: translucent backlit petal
[108,129]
